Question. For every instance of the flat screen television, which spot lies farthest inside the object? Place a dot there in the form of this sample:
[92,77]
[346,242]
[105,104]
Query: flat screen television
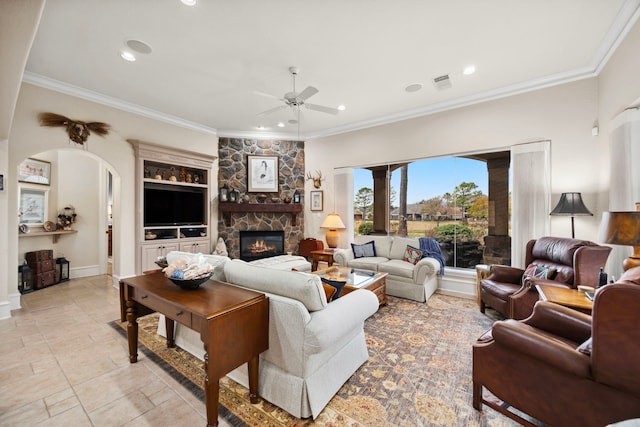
[166,205]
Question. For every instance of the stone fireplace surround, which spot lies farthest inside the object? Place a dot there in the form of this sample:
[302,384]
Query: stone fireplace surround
[232,170]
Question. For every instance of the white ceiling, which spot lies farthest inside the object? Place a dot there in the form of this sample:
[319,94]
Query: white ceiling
[213,65]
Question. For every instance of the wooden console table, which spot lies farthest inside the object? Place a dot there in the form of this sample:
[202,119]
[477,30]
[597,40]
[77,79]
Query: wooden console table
[233,325]
[228,208]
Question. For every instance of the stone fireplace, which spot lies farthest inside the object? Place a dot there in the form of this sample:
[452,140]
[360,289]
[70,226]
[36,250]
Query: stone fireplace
[232,171]
[260,244]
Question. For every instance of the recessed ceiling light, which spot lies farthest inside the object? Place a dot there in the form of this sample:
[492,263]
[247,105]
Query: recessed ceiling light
[127,56]
[189,2]
[280,125]
[341,107]
[138,46]
[413,87]
[468,70]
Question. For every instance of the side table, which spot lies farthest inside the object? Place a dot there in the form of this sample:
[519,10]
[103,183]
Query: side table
[321,255]
[482,272]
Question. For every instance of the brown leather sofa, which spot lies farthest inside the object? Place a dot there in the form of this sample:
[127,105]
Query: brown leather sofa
[576,262]
[563,367]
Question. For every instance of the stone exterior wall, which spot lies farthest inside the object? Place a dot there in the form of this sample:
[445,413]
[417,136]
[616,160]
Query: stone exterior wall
[232,160]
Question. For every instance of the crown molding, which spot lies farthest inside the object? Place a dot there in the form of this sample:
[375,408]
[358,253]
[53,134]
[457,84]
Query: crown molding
[89,95]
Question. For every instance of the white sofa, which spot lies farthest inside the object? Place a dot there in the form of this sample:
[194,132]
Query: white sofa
[314,346]
[406,280]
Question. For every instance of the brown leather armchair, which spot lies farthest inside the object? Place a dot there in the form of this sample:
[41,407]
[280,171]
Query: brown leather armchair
[576,262]
[563,367]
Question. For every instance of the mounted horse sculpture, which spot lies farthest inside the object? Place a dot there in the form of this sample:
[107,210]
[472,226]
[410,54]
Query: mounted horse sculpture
[78,131]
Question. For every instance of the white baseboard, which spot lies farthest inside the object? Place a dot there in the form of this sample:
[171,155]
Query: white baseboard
[87,271]
[5,310]
[458,282]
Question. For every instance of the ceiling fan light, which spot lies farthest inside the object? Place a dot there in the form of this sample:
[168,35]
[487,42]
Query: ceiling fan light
[127,56]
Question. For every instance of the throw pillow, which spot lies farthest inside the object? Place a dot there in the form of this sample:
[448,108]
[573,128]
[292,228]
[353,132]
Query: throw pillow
[364,250]
[585,347]
[329,291]
[538,272]
[337,286]
[412,255]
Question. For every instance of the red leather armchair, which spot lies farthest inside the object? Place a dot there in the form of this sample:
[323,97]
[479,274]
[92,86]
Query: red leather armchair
[576,262]
[563,367]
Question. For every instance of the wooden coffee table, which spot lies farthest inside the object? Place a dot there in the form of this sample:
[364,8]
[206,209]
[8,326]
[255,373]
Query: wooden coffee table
[358,278]
[571,298]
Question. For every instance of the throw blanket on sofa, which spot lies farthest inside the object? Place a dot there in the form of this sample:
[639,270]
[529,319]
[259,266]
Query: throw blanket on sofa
[431,248]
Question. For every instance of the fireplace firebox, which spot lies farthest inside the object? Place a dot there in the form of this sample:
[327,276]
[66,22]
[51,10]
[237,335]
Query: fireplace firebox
[261,244]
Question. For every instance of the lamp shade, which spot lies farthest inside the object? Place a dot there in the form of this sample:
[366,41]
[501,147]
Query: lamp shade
[620,228]
[333,222]
[570,204]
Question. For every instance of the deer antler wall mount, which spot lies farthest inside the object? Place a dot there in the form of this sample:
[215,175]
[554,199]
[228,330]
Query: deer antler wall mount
[78,131]
[317,180]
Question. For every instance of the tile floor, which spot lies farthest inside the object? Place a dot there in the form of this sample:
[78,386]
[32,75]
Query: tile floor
[61,364]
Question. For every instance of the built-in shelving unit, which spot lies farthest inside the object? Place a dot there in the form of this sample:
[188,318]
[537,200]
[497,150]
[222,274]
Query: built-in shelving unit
[229,208]
[179,172]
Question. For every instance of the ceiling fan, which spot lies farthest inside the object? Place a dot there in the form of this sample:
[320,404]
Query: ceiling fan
[296,100]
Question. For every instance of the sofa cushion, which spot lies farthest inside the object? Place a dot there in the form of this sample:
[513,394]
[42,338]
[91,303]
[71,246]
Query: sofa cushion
[304,287]
[399,246]
[365,250]
[368,263]
[397,267]
[412,255]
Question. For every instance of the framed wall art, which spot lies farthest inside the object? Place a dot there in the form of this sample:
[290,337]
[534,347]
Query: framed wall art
[317,200]
[35,171]
[33,206]
[262,174]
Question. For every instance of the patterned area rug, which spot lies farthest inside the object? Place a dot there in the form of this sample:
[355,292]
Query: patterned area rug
[418,372]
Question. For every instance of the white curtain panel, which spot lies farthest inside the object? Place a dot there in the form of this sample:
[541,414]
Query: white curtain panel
[625,175]
[343,197]
[530,197]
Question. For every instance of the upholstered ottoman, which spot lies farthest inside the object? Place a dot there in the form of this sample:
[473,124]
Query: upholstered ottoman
[284,262]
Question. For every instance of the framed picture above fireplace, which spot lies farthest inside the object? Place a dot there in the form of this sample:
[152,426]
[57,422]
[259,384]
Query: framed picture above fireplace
[262,174]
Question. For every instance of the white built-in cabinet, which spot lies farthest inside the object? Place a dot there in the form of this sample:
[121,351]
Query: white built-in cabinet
[163,168]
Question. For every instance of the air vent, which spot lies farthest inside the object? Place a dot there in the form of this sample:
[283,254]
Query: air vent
[442,82]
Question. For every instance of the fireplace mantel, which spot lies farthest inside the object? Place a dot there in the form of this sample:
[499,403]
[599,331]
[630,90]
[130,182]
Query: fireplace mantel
[229,208]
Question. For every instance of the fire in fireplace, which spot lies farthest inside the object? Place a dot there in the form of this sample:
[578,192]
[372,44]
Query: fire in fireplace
[261,244]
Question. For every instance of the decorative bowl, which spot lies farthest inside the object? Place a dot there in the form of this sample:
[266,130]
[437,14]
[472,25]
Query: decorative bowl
[191,284]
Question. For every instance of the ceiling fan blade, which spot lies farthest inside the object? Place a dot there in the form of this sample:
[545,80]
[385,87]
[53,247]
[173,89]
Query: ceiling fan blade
[266,95]
[272,110]
[307,93]
[322,108]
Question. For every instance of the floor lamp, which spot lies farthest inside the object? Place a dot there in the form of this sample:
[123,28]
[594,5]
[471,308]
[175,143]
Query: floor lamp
[571,204]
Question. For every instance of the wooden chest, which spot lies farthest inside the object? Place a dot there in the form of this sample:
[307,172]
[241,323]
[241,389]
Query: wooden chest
[45,279]
[42,266]
[42,255]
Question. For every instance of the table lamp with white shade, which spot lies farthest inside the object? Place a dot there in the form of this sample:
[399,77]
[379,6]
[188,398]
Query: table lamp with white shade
[332,223]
